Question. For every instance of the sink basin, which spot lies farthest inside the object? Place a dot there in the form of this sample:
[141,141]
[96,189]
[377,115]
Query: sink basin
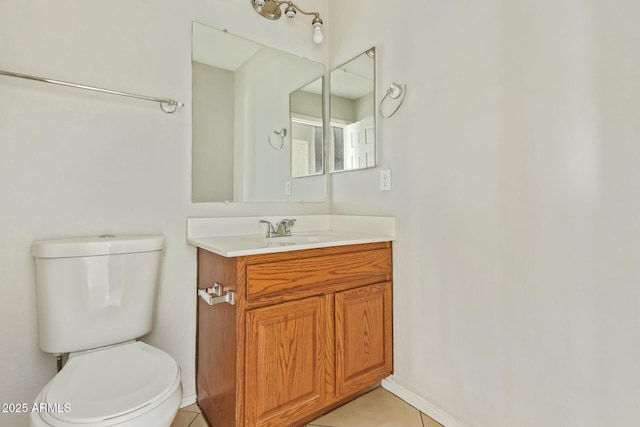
[305,238]
[296,239]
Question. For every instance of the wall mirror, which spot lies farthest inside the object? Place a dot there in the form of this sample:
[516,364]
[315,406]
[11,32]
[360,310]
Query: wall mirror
[250,102]
[352,136]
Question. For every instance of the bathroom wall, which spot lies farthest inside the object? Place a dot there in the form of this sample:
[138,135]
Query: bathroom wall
[74,162]
[515,164]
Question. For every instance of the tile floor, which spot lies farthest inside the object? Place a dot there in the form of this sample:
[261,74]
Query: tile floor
[378,408]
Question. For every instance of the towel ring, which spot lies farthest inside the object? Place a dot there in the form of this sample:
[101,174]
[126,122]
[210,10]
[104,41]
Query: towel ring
[281,133]
[395,91]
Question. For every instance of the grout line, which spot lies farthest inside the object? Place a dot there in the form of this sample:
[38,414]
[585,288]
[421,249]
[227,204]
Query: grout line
[194,419]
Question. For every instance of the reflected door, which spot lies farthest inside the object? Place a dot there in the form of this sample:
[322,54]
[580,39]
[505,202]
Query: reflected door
[359,149]
[299,157]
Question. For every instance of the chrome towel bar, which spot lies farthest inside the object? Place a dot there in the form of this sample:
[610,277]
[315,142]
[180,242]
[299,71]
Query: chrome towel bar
[167,105]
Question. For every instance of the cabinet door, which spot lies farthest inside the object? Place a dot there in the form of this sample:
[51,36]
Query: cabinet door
[285,361]
[364,347]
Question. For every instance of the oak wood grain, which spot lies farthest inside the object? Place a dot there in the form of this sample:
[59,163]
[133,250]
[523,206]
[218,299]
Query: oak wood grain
[310,253]
[285,360]
[363,336]
[304,274]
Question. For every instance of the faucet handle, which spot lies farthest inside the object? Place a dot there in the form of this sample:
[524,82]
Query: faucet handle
[271,231]
[287,223]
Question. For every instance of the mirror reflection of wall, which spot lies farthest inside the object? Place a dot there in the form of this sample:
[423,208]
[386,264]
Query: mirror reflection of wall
[307,136]
[213,113]
[352,136]
[240,97]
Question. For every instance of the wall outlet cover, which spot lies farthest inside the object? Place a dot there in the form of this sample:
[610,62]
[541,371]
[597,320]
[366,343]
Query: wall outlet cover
[385,180]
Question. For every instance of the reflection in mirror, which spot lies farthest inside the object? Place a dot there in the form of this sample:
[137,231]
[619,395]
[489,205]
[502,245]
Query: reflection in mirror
[241,95]
[305,107]
[352,136]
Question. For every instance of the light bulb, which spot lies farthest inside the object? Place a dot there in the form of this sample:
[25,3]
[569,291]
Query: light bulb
[317,33]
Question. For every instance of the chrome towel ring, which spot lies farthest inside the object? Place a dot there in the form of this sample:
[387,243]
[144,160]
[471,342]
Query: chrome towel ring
[281,133]
[396,91]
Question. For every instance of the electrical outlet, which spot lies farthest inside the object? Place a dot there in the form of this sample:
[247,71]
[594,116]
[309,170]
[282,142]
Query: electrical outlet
[385,180]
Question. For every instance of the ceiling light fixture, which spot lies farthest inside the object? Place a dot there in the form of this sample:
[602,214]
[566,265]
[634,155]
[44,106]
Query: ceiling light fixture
[270,9]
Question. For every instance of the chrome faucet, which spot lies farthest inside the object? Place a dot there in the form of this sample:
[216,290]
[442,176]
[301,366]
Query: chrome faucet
[271,231]
[281,229]
[284,227]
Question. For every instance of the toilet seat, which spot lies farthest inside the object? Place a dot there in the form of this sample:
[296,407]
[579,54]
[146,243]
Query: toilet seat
[109,386]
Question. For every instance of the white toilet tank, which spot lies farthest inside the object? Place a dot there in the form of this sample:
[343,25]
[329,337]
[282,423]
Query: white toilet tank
[95,291]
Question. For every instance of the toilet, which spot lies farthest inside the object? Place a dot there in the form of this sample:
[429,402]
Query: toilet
[96,295]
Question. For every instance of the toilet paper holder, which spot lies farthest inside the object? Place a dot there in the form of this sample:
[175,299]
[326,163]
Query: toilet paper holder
[214,295]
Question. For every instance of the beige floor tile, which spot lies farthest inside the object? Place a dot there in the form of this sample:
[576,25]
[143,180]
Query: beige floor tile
[378,408]
[183,419]
[191,408]
[429,422]
[199,422]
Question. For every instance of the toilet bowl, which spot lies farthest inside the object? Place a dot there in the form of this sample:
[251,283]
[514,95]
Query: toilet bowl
[128,385]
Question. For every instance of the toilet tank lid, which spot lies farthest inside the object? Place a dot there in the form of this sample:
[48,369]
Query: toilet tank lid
[96,245]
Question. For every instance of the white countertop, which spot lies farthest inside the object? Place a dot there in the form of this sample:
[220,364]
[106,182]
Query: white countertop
[232,246]
[217,234]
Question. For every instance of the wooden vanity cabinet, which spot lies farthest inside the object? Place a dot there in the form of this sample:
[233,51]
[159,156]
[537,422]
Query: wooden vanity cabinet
[310,330]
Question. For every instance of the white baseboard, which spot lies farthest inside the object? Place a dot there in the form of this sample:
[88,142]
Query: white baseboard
[188,400]
[421,404]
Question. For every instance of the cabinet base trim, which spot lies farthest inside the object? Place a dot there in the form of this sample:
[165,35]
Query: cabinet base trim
[335,404]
